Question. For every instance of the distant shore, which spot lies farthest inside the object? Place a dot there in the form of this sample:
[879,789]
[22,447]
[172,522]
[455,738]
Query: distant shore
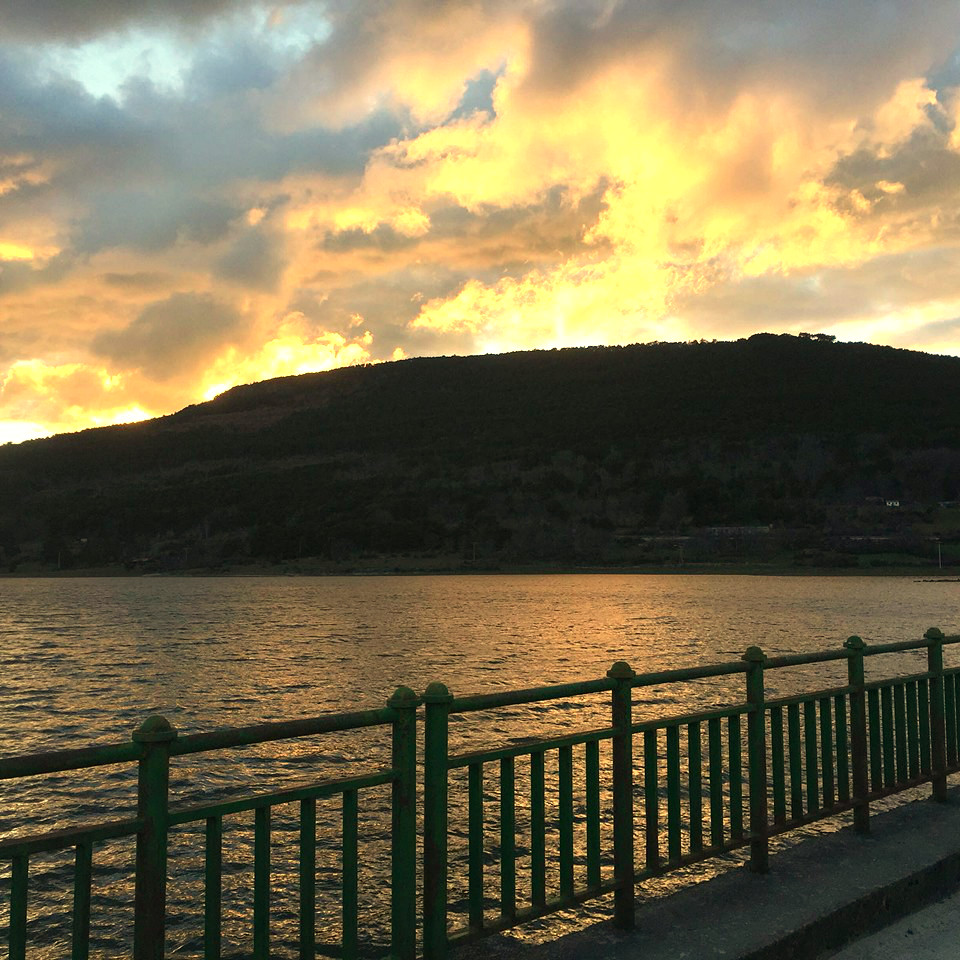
[408,566]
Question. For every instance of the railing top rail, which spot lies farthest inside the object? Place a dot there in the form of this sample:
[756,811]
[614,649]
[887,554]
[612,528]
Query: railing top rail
[800,659]
[32,764]
[874,648]
[280,730]
[509,698]
[688,673]
[60,761]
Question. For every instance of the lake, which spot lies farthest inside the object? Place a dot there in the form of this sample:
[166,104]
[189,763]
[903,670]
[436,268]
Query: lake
[86,660]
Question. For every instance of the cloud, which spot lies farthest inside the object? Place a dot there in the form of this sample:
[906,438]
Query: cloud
[195,192]
[172,337]
[65,19]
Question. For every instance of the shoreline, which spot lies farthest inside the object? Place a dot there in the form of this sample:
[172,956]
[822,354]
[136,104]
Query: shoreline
[393,568]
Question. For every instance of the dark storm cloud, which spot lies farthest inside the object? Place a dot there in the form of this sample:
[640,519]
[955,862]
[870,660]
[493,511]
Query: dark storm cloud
[153,220]
[386,304]
[823,297]
[74,19]
[255,259]
[505,240]
[172,337]
[925,164]
[17,277]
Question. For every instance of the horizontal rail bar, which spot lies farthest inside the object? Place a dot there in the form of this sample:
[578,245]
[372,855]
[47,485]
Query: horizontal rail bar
[281,730]
[324,788]
[871,649]
[32,764]
[509,698]
[800,659]
[891,681]
[529,746]
[683,674]
[804,697]
[662,723]
[69,837]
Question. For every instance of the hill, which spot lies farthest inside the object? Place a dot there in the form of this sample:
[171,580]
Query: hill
[771,446]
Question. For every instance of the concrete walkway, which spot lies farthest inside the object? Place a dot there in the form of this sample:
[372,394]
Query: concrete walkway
[932,933]
[821,894]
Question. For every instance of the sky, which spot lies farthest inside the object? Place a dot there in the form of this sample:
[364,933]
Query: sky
[200,193]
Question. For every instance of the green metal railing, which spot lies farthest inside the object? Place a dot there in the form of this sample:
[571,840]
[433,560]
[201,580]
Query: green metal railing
[630,800]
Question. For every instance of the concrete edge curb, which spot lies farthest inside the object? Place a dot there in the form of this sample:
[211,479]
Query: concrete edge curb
[867,914]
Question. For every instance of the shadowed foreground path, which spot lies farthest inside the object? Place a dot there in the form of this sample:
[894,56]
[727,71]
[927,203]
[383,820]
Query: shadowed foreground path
[819,895]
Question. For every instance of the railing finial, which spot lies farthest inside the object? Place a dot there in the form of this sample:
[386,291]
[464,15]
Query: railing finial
[854,643]
[621,670]
[437,692]
[155,729]
[754,655]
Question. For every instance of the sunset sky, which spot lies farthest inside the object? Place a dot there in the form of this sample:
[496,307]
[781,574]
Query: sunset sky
[199,193]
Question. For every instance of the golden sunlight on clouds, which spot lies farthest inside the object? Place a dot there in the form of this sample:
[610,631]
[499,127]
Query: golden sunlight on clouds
[406,178]
[288,353]
[63,397]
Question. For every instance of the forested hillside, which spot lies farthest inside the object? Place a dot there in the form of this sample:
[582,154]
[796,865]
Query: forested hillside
[793,448]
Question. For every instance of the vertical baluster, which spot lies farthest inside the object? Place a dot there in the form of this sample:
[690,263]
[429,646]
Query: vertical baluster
[923,710]
[18,907]
[673,792]
[475,846]
[435,788]
[592,778]
[736,777]
[624,870]
[308,879]
[950,718]
[153,780]
[810,750]
[876,753]
[651,798]
[565,804]
[538,887]
[843,756]
[886,713]
[715,749]
[900,721]
[695,769]
[403,802]
[508,841]
[349,924]
[796,761]
[826,751]
[82,875]
[956,700]
[777,763]
[858,734]
[938,758]
[757,759]
[212,887]
[261,884]
[913,733]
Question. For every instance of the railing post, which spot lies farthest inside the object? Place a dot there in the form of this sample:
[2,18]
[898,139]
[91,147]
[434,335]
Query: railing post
[403,883]
[150,896]
[938,725]
[757,759]
[858,734]
[435,751]
[623,866]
